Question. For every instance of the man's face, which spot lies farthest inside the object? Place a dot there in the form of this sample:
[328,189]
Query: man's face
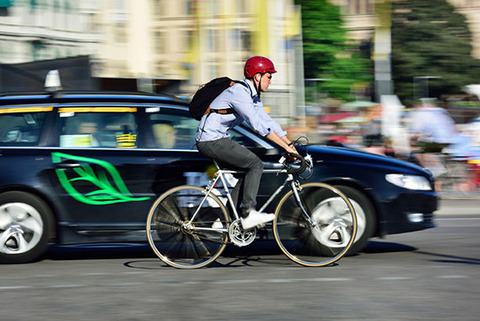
[264,80]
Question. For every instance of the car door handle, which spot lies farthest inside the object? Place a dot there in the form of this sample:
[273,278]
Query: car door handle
[67,165]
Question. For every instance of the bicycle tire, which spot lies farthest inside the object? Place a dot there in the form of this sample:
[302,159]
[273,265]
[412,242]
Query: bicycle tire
[173,241]
[322,243]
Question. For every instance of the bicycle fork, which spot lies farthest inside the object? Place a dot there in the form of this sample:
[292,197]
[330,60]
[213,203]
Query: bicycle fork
[295,189]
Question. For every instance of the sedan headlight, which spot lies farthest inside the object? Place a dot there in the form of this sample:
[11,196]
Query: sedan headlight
[412,182]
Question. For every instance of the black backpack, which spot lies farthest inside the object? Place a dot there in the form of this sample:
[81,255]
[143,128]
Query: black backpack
[200,104]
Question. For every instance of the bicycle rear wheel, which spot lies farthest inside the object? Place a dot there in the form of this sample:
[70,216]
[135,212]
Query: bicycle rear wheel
[180,241]
[323,239]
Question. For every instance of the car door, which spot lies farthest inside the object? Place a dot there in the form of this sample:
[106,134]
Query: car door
[114,160]
[97,167]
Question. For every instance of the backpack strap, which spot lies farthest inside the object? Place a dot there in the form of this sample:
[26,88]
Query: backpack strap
[225,111]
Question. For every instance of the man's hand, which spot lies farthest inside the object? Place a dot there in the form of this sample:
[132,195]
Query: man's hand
[291,150]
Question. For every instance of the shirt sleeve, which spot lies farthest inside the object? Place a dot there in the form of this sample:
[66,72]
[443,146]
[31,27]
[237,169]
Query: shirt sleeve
[266,119]
[254,113]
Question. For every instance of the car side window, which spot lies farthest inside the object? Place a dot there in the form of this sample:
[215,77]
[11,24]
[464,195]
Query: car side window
[243,139]
[249,140]
[98,127]
[171,128]
[20,128]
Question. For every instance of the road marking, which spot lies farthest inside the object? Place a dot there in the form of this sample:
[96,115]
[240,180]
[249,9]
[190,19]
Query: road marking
[280,280]
[123,284]
[14,287]
[455,213]
[179,283]
[65,286]
[233,281]
[329,279]
[228,281]
[95,273]
[466,217]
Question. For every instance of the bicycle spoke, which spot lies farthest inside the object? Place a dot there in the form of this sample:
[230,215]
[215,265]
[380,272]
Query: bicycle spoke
[208,238]
[170,206]
[200,248]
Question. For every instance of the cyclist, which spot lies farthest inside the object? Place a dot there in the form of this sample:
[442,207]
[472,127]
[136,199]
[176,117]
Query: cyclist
[213,139]
[432,130]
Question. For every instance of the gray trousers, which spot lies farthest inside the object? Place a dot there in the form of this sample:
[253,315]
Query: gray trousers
[232,155]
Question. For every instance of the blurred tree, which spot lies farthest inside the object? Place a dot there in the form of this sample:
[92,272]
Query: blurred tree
[430,39]
[327,54]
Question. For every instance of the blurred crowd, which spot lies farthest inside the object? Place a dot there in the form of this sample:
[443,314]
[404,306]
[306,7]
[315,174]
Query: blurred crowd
[425,135]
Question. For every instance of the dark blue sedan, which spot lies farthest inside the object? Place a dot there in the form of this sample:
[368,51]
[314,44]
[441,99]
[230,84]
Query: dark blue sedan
[79,167]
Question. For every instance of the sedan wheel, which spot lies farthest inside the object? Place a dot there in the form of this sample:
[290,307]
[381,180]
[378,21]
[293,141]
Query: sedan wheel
[25,224]
[366,217]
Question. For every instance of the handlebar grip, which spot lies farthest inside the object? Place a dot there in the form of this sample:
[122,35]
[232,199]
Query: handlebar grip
[302,167]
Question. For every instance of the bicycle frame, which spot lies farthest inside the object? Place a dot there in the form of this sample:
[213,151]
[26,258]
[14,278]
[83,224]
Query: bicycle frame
[219,175]
[319,238]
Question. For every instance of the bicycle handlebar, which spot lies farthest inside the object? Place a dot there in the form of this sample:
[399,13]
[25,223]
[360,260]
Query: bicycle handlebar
[305,163]
[301,169]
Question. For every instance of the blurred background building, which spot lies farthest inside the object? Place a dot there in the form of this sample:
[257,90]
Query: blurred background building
[160,45]
[35,30]
[174,46]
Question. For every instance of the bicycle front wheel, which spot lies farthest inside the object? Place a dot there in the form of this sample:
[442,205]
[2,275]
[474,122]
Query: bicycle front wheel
[319,234]
[182,240]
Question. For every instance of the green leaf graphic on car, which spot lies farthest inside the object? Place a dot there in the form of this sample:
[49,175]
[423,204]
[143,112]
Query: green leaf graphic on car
[103,192]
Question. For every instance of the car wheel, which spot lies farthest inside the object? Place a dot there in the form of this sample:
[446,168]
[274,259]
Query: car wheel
[366,217]
[25,225]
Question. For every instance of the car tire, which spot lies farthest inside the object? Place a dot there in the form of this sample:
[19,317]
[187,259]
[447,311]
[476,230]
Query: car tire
[26,223]
[366,217]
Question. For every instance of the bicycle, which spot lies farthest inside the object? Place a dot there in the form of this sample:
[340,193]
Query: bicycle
[315,224]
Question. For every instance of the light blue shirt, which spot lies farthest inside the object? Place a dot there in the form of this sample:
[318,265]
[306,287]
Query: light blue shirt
[248,107]
[435,123]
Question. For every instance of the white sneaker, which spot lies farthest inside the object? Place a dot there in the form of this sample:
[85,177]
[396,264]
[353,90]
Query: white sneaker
[255,219]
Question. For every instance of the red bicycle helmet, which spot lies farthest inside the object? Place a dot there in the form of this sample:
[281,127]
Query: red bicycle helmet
[258,64]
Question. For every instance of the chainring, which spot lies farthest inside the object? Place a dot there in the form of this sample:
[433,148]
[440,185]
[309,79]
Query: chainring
[239,236]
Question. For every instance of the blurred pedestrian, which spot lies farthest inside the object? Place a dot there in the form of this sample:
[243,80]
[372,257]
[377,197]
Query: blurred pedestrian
[432,129]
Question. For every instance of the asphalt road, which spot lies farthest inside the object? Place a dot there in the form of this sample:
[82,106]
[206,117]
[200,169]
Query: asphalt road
[427,275]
